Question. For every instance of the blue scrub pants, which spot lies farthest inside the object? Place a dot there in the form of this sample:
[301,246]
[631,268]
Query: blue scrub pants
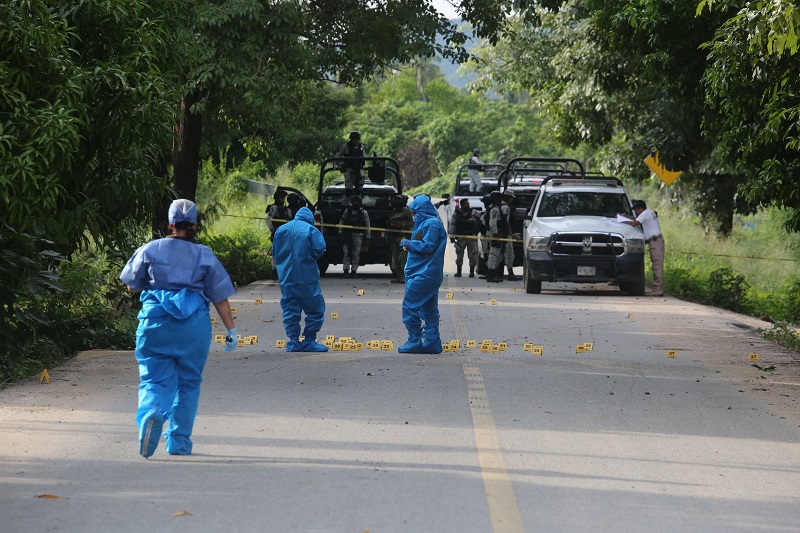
[312,306]
[421,303]
[172,354]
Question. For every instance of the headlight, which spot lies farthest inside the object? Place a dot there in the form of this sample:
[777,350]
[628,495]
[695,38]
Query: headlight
[538,244]
[634,246]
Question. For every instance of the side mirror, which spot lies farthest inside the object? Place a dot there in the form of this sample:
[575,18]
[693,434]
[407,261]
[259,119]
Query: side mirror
[521,213]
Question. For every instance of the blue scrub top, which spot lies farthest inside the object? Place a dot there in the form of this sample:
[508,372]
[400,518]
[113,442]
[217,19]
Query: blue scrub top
[174,265]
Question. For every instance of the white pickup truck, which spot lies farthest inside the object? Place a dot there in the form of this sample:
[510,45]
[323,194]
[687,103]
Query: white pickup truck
[572,233]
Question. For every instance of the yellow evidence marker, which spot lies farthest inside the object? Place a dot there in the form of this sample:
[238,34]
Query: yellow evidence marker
[45,377]
[334,316]
[219,338]
[672,354]
[259,301]
[387,346]
[359,346]
[580,348]
[630,315]
[233,309]
[492,302]
[528,346]
[361,292]
[337,346]
[254,338]
[503,346]
[455,343]
[240,343]
[449,296]
[280,343]
[328,344]
[753,358]
[588,346]
[330,338]
[213,320]
[495,349]
[472,344]
[537,350]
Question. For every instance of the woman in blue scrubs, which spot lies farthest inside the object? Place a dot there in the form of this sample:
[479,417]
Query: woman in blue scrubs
[177,279]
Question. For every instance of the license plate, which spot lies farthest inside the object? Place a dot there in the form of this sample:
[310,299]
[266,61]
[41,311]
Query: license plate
[586,271]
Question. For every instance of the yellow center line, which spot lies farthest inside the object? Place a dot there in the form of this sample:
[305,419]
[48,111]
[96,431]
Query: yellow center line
[502,501]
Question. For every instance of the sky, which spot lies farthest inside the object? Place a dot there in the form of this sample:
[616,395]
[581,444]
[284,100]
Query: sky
[444,7]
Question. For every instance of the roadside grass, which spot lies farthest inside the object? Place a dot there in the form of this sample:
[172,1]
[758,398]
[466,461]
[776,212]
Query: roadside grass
[754,271]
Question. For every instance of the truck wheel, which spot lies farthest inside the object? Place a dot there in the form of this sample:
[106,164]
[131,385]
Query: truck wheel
[636,286]
[532,286]
[323,266]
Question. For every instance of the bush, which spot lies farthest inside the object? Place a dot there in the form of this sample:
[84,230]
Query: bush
[244,252]
[727,289]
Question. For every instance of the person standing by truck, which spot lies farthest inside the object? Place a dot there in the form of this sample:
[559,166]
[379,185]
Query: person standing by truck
[648,220]
[496,231]
[463,227]
[475,166]
[352,168]
[508,217]
[278,214]
[399,225]
[354,232]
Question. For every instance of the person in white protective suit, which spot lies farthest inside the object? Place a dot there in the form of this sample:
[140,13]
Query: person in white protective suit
[177,278]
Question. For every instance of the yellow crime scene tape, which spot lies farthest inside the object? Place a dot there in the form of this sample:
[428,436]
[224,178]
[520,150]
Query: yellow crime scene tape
[383,230]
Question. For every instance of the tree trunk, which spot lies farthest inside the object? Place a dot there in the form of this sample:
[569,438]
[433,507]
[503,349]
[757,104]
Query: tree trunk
[186,152]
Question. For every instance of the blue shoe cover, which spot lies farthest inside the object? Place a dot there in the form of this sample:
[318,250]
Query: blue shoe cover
[432,346]
[150,433]
[294,345]
[412,346]
[179,445]
[310,345]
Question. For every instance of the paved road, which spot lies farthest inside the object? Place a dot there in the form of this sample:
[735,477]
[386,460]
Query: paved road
[619,438]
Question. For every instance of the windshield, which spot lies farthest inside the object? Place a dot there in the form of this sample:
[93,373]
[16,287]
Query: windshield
[335,199]
[561,204]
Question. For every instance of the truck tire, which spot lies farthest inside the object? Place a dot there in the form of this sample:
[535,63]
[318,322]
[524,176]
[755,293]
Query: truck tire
[636,286]
[532,286]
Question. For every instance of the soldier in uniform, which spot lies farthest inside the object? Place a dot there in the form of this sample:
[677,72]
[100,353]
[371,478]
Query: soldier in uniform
[496,230]
[399,225]
[278,214]
[464,225]
[354,235]
[508,214]
[353,168]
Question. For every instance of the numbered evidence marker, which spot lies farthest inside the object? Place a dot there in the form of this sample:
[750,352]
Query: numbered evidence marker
[449,296]
[219,338]
[387,345]
[495,349]
[528,346]
[503,346]
[213,320]
[580,348]
[233,309]
[254,339]
[753,357]
[361,292]
[280,343]
[334,316]
[492,302]
[259,301]
[455,343]
[588,346]
[472,344]
[330,338]
[337,346]
[486,346]
[672,354]
[45,377]
[537,350]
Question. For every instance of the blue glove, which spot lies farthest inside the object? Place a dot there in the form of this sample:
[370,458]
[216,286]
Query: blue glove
[230,345]
[405,243]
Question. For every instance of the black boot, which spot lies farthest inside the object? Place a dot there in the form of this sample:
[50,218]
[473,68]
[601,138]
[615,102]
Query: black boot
[472,272]
[458,271]
[491,276]
[511,276]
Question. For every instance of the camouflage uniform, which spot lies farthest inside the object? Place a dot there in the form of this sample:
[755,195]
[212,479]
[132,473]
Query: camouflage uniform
[399,225]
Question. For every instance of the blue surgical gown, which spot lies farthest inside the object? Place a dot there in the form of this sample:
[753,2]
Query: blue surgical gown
[296,247]
[424,272]
[177,278]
